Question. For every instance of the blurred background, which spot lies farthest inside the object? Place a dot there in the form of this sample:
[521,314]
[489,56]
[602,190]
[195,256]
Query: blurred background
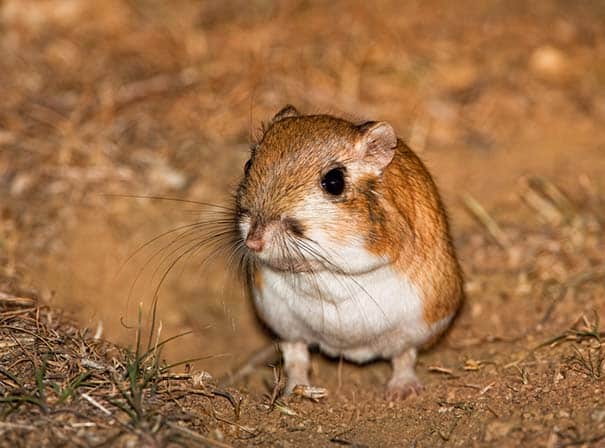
[149,97]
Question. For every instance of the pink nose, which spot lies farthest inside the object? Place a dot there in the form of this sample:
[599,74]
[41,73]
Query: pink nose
[255,244]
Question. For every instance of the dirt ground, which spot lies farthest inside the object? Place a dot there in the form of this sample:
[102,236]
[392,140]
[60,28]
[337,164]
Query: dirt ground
[504,101]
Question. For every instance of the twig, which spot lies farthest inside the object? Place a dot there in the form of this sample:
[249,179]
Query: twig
[13,313]
[489,223]
[277,386]
[442,370]
[14,300]
[546,198]
[488,407]
[10,425]
[470,386]
[31,333]
[95,403]
[544,207]
[156,85]
[92,364]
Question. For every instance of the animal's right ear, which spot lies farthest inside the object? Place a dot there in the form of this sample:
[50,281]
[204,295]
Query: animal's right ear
[287,111]
[376,145]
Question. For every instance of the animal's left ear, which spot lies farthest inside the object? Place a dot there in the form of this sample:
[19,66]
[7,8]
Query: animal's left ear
[376,145]
[287,111]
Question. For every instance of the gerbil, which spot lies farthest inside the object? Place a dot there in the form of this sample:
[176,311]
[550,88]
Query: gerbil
[349,243]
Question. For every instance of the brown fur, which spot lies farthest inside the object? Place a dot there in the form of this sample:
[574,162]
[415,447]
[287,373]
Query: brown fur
[414,233]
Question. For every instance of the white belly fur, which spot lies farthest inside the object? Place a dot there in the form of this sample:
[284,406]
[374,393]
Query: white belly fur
[372,315]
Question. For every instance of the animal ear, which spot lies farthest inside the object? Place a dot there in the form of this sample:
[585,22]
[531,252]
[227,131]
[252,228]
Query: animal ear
[376,146]
[287,111]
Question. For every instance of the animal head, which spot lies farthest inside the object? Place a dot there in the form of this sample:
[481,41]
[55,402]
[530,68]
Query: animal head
[310,192]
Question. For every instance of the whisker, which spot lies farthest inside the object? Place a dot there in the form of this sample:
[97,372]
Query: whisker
[221,245]
[158,288]
[315,281]
[336,276]
[236,254]
[197,241]
[219,242]
[215,232]
[191,229]
[154,239]
[339,270]
[165,198]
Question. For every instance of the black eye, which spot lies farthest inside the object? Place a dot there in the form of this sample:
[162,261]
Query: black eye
[247,166]
[333,182]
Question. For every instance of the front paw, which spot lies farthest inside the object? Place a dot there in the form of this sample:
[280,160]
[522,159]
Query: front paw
[313,393]
[294,382]
[401,388]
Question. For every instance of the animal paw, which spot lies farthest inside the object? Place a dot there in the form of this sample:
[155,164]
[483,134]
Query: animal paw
[313,393]
[296,382]
[401,388]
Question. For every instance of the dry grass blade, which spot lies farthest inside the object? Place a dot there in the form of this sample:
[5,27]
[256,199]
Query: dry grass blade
[442,370]
[548,201]
[589,331]
[278,385]
[479,213]
[65,370]
[549,190]
[30,332]
[96,404]
[264,356]
[20,426]
[197,436]
[156,85]
[9,299]
[589,361]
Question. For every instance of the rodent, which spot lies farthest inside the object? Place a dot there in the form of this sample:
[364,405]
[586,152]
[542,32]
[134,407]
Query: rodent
[347,243]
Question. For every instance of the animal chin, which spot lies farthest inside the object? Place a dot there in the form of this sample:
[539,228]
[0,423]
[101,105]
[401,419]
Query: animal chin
[292,266]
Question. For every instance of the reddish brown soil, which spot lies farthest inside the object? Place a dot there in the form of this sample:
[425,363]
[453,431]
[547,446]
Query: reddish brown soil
[504,101]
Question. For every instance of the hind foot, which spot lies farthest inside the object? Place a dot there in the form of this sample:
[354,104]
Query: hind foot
[404,381]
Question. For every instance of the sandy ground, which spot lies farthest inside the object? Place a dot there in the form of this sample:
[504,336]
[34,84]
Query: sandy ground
[505,103]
